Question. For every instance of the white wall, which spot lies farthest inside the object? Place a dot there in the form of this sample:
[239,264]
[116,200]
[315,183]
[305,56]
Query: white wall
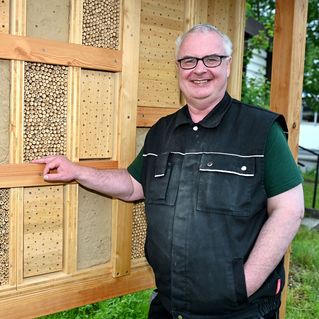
[309,135]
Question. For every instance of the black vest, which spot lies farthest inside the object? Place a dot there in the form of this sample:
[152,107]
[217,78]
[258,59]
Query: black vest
[205,205]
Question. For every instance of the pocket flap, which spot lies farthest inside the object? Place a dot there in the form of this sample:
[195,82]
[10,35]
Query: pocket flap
[161,165]
[228,163]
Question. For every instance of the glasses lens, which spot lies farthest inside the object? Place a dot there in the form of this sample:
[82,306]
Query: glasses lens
[212,60]
[188,63]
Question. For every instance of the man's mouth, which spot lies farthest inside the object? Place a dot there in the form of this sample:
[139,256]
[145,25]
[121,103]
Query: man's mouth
[200,81]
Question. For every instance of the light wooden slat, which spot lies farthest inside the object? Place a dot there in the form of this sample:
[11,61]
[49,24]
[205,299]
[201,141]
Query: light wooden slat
[57,52]
[287,77]
[71,191]
[22,175]
[122,212]
[17,27]
[195,12]
[148,116]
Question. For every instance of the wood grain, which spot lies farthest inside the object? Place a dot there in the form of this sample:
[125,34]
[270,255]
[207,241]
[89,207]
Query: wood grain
[22,175]
[58,52]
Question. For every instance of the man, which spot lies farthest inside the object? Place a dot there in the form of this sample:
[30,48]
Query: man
[222,192]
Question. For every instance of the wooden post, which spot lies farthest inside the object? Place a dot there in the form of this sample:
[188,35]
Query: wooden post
[17,27]
[287,77]
[122,212]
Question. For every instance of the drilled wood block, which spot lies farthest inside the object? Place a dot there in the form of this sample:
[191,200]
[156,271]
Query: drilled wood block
[96,114]
[4,16]
[161,23]
[43,230]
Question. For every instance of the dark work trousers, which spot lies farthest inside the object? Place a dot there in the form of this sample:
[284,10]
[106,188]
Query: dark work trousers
[157,311]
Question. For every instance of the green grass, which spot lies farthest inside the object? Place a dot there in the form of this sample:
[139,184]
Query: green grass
[132,306]
[303,292]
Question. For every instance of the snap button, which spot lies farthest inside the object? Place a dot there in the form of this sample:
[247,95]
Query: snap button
[210,164]
[244,168]
[195,128]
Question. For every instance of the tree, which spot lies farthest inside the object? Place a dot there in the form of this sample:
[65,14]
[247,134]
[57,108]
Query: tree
[311,74]
[257,92]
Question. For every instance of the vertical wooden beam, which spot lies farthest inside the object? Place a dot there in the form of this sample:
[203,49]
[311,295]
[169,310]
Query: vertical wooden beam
[17,27]
[287,77]
[195,12]
[288,64]
[71,191]
[122,212]
[229,16]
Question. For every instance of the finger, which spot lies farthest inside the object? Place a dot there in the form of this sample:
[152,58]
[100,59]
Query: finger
[52,177]
[53,164]
[43,160]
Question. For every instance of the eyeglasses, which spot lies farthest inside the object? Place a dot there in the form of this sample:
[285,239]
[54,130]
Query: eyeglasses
[210,61]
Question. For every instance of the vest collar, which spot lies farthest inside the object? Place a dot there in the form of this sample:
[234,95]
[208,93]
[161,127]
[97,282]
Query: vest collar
[211,120]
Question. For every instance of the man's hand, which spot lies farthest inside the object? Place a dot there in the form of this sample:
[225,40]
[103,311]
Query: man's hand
[66,170]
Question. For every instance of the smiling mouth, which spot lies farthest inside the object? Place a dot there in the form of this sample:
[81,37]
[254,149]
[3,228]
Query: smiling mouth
[200,81]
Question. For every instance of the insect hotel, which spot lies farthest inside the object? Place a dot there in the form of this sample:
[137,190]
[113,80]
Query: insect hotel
[86,79]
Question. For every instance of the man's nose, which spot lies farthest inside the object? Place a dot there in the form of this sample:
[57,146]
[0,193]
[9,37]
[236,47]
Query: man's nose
[200,67]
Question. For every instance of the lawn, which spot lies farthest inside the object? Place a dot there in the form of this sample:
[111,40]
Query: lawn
[303,292]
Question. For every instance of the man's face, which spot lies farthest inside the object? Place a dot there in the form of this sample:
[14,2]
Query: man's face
[202,86]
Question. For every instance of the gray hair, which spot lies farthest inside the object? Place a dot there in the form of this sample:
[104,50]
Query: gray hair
[205,28]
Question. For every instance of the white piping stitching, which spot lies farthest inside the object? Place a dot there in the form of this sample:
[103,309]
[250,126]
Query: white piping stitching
[215,153]
[224,171]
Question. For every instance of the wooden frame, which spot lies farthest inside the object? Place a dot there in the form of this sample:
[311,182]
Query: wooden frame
[50,293]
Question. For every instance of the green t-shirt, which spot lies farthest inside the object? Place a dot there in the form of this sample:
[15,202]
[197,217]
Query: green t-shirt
[281,171]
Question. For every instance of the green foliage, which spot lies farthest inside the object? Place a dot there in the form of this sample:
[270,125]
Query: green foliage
[255,91]
[303,292]
[311,74]
[264,12]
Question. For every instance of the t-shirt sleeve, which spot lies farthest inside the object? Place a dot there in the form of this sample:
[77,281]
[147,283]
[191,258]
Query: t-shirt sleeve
[135,168]
[281,170]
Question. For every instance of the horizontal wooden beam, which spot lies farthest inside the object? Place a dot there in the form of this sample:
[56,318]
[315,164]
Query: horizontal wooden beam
[148,116]
[55,296]
[57,52]
[25,175]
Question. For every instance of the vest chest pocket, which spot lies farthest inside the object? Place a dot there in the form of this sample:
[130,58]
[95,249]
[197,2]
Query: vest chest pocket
[163,185]
[225,184]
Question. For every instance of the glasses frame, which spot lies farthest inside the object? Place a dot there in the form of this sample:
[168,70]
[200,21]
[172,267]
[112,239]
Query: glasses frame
[221,57]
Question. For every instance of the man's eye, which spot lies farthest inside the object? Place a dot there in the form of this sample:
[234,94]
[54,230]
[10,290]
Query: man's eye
[188,61]
[212,59]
